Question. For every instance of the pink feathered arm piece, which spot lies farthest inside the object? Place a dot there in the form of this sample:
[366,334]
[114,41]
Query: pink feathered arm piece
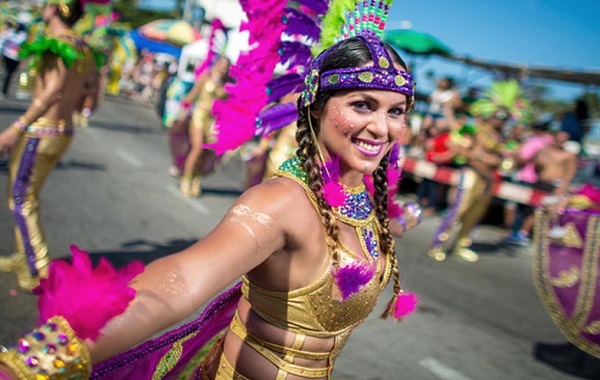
[86,297]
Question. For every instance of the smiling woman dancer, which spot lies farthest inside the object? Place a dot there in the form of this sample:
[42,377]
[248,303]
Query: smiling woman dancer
[313,245]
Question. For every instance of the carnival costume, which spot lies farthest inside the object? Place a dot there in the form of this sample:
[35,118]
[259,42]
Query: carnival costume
[202,119]
[475,186]
[331,306]
[41,146]
[565,269]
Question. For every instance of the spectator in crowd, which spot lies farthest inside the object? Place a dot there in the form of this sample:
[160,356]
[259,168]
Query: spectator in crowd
[10,54]
[445,94]
[524,160]
[556,165]
[574,121]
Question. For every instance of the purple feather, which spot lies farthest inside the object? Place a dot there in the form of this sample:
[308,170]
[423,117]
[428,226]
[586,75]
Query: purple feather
[295,53]
[276,117]
[284,85]
[395,155]
[351,277]
[318,6]
[299,23]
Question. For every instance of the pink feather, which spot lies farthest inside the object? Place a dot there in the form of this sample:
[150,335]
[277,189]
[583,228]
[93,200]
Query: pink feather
[394,210]
[406,304]
[351,277]
[333,193]
[86,297]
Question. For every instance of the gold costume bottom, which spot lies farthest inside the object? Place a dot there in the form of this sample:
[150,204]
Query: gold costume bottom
[33,159]
[281,357]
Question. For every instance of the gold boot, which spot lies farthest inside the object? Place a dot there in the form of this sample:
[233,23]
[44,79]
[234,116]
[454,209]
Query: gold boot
[461,250]
[196,187]
[437,254]
[185,184]
[26,280]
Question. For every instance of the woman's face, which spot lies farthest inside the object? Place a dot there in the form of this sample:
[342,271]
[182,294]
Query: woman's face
[360,126]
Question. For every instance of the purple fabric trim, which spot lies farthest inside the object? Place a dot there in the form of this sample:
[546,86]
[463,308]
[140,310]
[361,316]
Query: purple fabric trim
[140,362]
[578,300]
[179,144]
[451,215]
[19,195]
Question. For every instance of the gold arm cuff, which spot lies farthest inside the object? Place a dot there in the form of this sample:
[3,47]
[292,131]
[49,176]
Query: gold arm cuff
[50,352]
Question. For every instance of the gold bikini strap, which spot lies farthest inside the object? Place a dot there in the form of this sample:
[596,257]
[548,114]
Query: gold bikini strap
[289,357]
[268,349]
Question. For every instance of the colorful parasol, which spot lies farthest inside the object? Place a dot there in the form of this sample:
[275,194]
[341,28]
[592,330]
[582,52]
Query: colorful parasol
[177,32]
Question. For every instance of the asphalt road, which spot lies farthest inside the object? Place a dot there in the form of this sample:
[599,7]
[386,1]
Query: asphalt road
[112,196]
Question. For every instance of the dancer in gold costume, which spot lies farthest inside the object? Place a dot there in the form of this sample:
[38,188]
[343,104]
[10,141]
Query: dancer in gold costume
[199,160]
[483,154]
[43,133]
[313,245]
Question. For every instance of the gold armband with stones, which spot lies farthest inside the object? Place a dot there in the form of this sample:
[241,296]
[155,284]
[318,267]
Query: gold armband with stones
[51,351]
[20,125]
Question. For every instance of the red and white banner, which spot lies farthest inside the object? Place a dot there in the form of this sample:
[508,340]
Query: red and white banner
[449,176]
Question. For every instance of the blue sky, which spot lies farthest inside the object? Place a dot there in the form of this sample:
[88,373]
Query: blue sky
[558,34]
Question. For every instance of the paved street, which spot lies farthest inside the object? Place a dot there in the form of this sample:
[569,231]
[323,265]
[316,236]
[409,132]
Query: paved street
[112,195]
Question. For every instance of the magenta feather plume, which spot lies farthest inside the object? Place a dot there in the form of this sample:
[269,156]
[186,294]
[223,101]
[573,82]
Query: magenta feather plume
[276,117]
[406,304]
[86,297]
[351,277]
[277,35]
[394,209]
[333,191]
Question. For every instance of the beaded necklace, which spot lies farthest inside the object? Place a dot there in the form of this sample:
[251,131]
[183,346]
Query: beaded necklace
[357,211]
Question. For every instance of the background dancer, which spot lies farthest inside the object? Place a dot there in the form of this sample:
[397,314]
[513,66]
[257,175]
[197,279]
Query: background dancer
[483,154]
[39,138]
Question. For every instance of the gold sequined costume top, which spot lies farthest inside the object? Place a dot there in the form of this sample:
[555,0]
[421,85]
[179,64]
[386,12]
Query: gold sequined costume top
[316,310]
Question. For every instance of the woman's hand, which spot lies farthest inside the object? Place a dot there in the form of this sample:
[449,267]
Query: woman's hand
[8,139]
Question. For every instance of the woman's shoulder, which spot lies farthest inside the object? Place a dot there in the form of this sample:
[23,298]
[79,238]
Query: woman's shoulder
[278,194]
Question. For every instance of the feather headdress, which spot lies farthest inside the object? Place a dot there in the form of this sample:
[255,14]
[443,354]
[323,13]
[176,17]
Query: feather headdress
[504,96]
[294,35]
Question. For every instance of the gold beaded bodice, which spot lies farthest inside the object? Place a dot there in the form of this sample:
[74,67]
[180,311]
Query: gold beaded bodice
[317,309]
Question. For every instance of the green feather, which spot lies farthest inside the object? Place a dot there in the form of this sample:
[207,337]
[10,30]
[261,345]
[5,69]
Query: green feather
[332,24]
[505,95]
[67,52]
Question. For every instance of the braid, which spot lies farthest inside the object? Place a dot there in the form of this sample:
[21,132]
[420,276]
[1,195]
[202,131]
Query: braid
[381,203]
[307,152]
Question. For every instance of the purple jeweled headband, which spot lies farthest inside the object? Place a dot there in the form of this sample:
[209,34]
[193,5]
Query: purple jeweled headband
[382,75]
